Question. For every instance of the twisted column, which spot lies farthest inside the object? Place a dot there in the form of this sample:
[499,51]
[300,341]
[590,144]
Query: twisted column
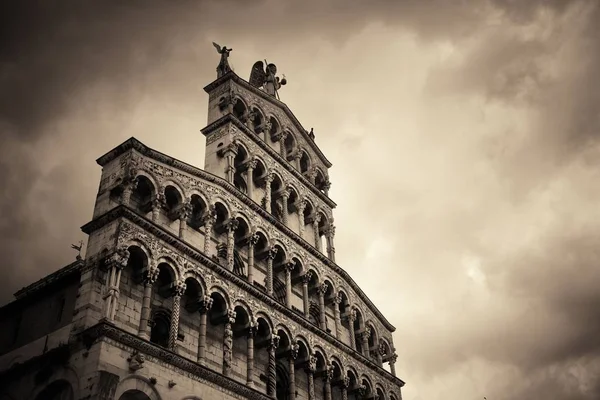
[251,244]
[117,261]
[305,296]
[310,372]
[270,257]
[345,386]
[149,279]
[232,225]
[281,139]
[289,267]
[285,195]
[268,182]
[158,202]
[209,220]
[294,347]
[351,319]
[272,378]
[337,300]
[322,289]
[205,305]
[228,342]
[330,248]
[301,207]
[178,291]
[250,358]
[328,378]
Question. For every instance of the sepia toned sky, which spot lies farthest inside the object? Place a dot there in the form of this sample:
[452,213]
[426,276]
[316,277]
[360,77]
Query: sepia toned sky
[464,137]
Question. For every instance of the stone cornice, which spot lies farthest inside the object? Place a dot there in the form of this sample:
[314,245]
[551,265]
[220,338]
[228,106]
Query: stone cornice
[48,280]
[229,118]
[234,77]
[133,143]
[107,330]
[124,212]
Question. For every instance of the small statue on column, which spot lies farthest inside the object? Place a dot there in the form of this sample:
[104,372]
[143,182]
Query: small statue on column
[223,66]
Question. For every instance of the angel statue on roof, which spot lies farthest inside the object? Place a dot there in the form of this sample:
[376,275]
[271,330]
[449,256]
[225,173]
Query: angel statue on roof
[223,66]
[266,78]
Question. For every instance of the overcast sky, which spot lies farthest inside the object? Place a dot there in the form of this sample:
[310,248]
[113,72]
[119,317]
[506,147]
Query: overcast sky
[464,138]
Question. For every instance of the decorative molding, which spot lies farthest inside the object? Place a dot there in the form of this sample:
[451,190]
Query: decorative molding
[185,249]
[135,144]
[139,345]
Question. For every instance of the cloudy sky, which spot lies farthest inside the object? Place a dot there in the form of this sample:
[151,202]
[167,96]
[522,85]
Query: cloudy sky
[465,142]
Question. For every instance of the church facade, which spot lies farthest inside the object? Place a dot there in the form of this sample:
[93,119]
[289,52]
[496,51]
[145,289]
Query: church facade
[214,283]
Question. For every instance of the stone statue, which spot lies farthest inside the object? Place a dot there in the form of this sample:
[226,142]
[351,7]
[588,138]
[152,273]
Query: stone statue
[136,361]
[266,78]
[223,66]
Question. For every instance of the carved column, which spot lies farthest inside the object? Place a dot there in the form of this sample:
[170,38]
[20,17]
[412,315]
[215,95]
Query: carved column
[250,177]
[149,280]
[209,220]
[297,157]
[365,341]
[272,378]
[330,248]
[228,342]
[230,152]
[282,150]
[380,353]
[179,289]
[301,207]
[345,386]
[336,309]
[251,244]
[232,225]
[270,257]
[130,185]
[322,290]
[269,180]
[117,261]
[351,319]
[392,361]
[305,296]
[157,203]
[205,305]
[292,371]
[250,358]
[310,373]
[328,378]
[289,267]
[184,214]
[267,126]
[316,221]
[285,195]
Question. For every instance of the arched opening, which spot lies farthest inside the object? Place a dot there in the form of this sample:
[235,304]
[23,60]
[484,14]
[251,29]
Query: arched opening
[257,120]
[57,390]
[240,163]
[353,386]
[261,252]
[372,341]
[297,291]
[137,265]
[276,204]
[240,249]
[289,145]
[307,220]
[380,394]
[220,232]
[239,110]
[337,379]
[134,394]
[173,201]
[366,389]
[386,352]
[329,298]
[292,205]
[359,325]
[192,296]
[323,225]
[142,196]
[241,329]
[199,209]
[282,367]
[275,129]
[300,372]
[313,299]
[319,377]
[161,325]
[304,162]
[321,181]
[279,274]
[215,332]
[261,355]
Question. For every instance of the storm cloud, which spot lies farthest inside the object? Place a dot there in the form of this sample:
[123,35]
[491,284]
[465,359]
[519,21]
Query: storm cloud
[464,138]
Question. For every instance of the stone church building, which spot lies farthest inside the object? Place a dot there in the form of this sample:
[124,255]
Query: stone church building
[214,283]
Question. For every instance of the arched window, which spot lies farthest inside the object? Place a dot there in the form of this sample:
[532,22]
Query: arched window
[161,325]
